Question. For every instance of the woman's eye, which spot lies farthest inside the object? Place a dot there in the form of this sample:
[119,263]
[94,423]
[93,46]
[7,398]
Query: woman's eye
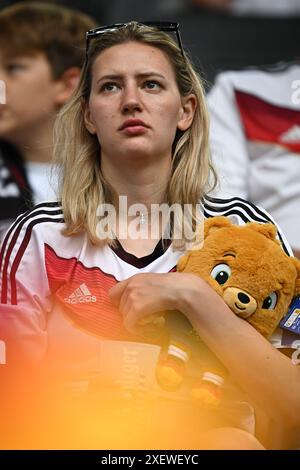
[152,85]
[109,87]
[221,273]
[270,302]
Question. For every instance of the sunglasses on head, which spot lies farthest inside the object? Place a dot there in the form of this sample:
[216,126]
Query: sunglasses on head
[165,26]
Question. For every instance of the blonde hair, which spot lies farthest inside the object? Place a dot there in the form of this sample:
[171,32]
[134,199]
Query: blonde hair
[83,187]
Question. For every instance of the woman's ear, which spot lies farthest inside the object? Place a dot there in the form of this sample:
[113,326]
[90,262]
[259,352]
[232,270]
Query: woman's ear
[189,104]
[88,119]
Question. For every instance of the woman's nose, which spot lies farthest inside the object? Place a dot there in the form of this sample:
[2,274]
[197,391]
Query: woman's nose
[131,100]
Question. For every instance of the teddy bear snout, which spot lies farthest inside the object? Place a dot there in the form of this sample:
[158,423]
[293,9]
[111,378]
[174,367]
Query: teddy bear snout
[241,302]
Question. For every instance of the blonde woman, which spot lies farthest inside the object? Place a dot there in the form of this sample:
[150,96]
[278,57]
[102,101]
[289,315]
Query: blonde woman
[75,283]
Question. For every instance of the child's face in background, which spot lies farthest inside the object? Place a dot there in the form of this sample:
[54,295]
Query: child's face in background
[30,96]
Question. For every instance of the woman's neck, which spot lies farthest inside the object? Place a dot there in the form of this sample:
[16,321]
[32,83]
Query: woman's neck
[138,184]
[142,184]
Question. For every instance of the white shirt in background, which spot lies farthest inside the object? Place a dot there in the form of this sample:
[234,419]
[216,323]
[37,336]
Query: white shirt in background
[42,180]
[279,8]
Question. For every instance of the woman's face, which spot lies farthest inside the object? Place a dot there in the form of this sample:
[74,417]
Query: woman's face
[135,106]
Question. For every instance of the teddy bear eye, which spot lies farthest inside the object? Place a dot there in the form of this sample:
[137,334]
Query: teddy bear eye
[270,302]
[221,273]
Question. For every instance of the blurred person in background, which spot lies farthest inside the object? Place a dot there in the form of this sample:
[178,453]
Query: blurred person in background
[41,53]
[255,140]
[266,8]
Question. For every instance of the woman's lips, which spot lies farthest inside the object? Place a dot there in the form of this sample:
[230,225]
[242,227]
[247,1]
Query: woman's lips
[133,127]
[134,130]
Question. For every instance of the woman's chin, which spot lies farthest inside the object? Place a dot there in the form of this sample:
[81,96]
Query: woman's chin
[136,153]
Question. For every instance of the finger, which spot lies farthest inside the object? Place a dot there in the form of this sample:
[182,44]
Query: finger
[116,292]
[123,303]
[133,317]
[130,320]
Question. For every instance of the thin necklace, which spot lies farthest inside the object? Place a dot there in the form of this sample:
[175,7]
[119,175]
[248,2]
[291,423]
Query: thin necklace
[143,216]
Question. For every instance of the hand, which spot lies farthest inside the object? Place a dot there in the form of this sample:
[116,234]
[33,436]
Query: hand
[146,294]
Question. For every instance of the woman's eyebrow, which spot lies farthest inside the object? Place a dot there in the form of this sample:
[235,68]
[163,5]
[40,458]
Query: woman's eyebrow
[110,77]
[138,75]
[150,74]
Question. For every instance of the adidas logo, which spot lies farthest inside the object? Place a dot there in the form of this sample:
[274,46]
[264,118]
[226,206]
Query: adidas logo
[292,135]
[80,295]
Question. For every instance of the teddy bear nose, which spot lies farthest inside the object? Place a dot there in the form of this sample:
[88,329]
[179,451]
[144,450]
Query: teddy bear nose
[244,298]
[240,302]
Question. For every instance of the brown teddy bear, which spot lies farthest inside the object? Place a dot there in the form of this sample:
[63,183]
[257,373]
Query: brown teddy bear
[245,265]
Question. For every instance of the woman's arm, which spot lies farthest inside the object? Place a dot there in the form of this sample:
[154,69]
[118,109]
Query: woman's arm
[264,373]
[270,378]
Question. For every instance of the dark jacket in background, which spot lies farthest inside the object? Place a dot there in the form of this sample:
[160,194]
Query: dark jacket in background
[15,192]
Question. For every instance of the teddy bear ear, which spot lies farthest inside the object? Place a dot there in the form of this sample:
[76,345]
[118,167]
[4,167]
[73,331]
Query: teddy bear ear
[215,223]
[297,283]
[268,230]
